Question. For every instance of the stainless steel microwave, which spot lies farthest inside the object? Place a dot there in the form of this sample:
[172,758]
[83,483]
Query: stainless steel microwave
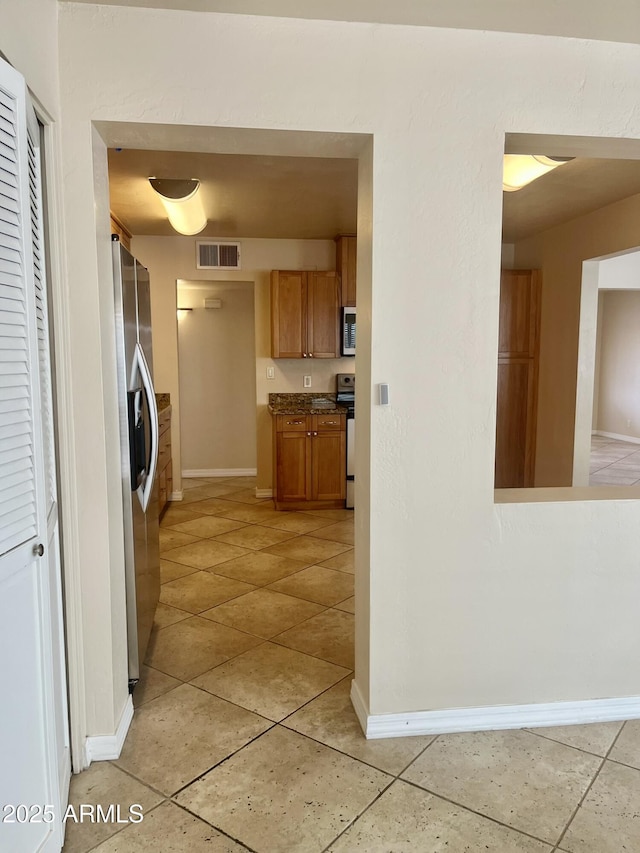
[349,331]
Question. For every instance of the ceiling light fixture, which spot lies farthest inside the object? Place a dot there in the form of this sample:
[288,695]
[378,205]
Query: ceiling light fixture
[182,203]
[518,170]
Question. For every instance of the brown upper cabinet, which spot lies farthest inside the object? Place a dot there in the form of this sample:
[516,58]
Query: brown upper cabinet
[518,357]
[304,314]
[346,254]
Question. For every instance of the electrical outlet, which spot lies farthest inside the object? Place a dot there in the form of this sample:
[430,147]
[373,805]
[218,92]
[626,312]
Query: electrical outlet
[271,373]
[306,381]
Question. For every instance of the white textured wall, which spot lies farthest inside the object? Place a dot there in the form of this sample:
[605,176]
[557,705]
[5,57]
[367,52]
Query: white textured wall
[29,41]
[471,603]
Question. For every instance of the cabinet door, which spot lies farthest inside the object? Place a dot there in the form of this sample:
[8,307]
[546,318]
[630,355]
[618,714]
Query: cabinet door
[288,314]
[293,466]
[328,466]
[519,313]
[515,423]
[322,310]
[518,349]
[346,251]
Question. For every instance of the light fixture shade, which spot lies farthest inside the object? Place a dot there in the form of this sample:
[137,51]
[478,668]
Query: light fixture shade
[518,170]
[182,202]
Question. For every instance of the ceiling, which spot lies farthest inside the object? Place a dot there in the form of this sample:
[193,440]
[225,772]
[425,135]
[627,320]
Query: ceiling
[615,20]
[571,190]
[243,195]
[294,197]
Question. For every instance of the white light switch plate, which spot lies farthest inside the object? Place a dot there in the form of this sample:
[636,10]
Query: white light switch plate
[306,381]
[271,373]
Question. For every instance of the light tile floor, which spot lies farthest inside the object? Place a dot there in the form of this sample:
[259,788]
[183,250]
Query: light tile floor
[614,463]
[244,736]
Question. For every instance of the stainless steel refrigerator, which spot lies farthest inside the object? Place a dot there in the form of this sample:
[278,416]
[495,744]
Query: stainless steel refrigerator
[139,443]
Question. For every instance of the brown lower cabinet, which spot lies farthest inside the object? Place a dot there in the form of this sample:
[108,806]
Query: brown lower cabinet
[309,461]
[165,467]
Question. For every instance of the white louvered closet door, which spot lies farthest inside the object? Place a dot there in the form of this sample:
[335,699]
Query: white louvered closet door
[33,740]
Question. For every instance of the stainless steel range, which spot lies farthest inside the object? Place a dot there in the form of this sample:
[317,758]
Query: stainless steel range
[346,396]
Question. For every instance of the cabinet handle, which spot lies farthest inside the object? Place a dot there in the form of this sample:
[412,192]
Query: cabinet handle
[308,433]
[315,433]
[328,423]
[296,423]
[310,355]
[304,355]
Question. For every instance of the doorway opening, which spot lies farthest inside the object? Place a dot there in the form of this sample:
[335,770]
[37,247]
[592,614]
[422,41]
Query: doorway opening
[607,429]
[257,606]
[217,378]
[557,229]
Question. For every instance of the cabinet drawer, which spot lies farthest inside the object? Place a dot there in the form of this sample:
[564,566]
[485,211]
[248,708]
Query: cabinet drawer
[293,423]
[329,422]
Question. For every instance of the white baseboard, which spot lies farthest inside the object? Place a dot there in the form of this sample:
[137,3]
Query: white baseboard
[617,436]
[264,493]
[220,472]
[109,747]
[176,496]
[360,707]
[493,717]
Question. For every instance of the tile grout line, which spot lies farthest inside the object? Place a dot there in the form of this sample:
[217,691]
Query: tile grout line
[538,733]
[476,812]
[257,713]
[358,816]
[222,760]
[589,787]
[213,826]
[114,763]
[262,640]
[398,778]
[121,830]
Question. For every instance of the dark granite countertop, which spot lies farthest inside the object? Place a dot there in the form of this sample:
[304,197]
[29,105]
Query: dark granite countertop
[302,404]
[163,401]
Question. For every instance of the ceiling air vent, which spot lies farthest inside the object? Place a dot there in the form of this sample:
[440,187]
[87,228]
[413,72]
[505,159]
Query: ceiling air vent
[217,256]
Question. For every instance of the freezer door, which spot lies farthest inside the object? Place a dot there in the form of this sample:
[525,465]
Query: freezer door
[143,588]
[147,563]
[138,431]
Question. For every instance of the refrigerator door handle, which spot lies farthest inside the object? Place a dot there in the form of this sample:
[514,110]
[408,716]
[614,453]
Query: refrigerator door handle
[145,488]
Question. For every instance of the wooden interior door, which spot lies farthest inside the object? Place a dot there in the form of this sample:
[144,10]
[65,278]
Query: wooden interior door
[289,314]
[323,314]
[518,357]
